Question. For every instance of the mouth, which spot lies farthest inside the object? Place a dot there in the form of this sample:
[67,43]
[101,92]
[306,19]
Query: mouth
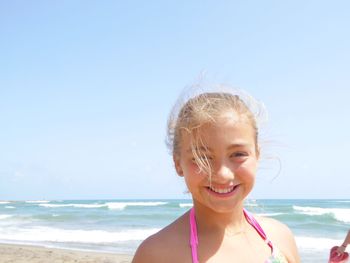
[223,191]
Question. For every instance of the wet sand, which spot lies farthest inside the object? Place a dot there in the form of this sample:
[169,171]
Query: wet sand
[34,254]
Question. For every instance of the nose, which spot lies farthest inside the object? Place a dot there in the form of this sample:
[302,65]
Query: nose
[223,173]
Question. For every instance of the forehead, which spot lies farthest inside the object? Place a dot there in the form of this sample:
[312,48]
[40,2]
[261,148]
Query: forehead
[228,129]
[228,120]
[231,117]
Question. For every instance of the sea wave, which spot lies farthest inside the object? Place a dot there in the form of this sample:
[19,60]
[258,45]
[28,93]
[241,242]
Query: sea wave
[4,202]
[186,205]
[270,214]
[37,201]
[5,216]
[73,205]
[313,243]
[123,205]
[340,214]
[250,203]
[10,207]
[47,234]
[109,205]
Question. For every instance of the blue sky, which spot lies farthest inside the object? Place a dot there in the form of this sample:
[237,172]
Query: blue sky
[86,88]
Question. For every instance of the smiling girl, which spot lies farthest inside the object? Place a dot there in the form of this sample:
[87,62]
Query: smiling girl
[214,141]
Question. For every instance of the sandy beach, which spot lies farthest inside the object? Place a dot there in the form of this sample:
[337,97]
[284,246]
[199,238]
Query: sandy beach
[33,254]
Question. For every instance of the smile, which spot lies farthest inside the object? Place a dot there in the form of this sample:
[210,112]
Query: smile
[222,191]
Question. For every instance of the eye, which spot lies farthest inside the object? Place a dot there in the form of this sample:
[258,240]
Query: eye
[239,154]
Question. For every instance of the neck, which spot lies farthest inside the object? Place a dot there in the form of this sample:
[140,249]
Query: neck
[229,223]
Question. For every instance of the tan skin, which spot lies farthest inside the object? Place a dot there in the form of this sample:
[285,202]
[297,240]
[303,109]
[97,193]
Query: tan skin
[224,234]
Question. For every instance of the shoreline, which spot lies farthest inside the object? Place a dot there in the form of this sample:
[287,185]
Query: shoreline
[16,253]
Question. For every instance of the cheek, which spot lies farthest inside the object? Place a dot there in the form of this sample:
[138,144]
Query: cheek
[192,173]
[247,174]
[193,169]
[247,170]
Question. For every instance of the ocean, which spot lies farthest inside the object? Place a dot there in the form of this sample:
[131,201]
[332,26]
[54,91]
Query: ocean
[120,225]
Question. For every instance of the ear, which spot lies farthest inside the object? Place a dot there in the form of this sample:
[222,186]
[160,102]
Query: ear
[177,164]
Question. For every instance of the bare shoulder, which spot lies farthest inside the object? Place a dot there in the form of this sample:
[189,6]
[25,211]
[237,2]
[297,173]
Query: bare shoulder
[158,247]
[282,237]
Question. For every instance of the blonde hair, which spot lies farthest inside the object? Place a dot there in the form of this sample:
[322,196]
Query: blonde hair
[188,115]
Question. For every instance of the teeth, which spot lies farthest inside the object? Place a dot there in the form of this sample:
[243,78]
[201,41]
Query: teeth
[222,191]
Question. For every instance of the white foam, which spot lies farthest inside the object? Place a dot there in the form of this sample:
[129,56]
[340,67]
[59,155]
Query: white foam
[5,216]
[270,214]
[54,205]
[37,201]
[47,234]
[10,207]
[313,243]
[88,205]
[186,205]
[122,205]
[110,205]
[311,210]
[340,214]
[73,205]
[250,204]
[4,202]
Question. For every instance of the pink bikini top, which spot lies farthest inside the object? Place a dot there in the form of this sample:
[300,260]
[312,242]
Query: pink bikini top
[251,220]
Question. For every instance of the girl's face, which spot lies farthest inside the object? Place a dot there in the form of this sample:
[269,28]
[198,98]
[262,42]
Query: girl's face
[229,145]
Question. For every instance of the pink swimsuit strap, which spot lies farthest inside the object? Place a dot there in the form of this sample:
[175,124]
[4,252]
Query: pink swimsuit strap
[194,236]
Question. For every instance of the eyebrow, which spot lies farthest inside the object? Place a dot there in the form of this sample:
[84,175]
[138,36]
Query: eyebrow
[238,145]
[230,147]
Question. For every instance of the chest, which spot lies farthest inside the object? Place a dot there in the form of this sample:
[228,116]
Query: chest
[243,250]
[226,250]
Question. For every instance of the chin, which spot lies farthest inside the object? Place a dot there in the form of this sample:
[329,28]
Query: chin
[226,207]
